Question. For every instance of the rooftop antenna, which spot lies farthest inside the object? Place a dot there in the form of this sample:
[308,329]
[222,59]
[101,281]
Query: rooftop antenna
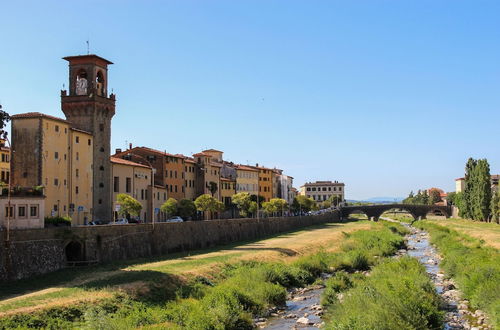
[88,46]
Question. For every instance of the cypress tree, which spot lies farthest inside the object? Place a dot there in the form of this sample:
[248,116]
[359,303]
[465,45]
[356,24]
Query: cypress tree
[466,211]
[481,191]
[495,206]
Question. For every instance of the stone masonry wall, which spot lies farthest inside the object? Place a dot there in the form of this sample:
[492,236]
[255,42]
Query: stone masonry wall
[38,251]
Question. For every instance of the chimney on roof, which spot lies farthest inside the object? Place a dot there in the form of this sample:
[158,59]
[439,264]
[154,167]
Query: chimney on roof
[129,146]
[256,164]
[118,150]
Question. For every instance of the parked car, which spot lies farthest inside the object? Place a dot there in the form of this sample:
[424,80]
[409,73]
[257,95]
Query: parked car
[120,222]
[95,223]
[175,219]
[132,220]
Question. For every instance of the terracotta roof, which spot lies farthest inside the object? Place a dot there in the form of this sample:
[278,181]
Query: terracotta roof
[459,179]
[80,130]
[160,187]
[152,151]
[263,168]
[437,189]
[189,160]
[216,164]
[89,56]
[323,183]
[212,150]
[246,168]
[126,162]
[38,115]
[202,154]
[227,179]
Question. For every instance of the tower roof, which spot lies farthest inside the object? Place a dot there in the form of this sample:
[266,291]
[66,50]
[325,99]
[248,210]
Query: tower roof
[91,58]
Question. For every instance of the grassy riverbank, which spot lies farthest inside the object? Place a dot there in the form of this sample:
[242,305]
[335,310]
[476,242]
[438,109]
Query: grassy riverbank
[90,285]
[153,282]
[230,294]
[488,232]
[397,294]
[474,266]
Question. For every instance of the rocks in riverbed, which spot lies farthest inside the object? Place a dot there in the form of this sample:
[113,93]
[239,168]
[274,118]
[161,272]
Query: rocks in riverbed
[301,298]
[290,316]
[304,321]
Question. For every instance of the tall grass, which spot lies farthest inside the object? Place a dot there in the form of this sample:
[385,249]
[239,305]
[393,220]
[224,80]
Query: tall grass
[397,295]
[474,266]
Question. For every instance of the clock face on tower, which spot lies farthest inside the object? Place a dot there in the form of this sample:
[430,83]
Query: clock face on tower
[81,86]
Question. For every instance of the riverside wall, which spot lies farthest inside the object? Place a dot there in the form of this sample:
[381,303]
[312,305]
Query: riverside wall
[38,251]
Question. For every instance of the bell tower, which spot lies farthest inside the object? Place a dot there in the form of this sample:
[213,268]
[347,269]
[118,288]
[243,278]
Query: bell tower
[88,107]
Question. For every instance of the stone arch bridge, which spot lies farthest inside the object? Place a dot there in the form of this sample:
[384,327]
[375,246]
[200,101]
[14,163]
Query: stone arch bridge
[375,211]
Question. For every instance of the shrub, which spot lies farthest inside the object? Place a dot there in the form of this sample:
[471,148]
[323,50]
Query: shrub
[339,282]
[314,264]
[58,220]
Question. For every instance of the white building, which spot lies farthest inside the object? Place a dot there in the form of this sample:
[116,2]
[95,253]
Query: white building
[25,212]
[321,191]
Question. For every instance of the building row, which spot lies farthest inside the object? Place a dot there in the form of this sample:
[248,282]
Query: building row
[69,161]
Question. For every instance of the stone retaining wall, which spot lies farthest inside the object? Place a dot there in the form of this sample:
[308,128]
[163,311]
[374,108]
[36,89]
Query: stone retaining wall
[38,251]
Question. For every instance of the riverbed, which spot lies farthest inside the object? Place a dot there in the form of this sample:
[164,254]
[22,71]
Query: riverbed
[303,309]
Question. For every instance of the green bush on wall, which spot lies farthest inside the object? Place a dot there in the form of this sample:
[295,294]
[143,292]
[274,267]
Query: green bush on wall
[56,221]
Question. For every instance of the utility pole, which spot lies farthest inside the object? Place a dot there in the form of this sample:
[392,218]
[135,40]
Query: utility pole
[9,207]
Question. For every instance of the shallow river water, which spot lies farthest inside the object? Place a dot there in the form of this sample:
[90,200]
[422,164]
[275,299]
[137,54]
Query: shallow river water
[303,308]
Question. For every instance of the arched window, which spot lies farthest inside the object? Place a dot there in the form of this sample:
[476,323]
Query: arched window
[81,82]
[100,85]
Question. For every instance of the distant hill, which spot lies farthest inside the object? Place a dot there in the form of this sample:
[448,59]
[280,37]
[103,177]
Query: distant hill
[379,200]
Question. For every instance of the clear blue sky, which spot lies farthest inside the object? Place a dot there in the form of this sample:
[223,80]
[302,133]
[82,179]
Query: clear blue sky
[386,96]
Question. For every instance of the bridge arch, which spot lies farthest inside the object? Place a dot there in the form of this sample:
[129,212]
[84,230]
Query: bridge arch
[404,209]
[376,210]
[356,211]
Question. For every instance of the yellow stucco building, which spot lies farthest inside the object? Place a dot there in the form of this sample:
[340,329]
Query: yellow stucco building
[265,182]
[4,162]
[208,170]
[49,153]
[159,197]
[80,184]
[133,179]
[247,179]
[228,189]
[190,178]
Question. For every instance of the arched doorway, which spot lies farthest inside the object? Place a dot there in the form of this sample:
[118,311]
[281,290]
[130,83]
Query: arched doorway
[74,252]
